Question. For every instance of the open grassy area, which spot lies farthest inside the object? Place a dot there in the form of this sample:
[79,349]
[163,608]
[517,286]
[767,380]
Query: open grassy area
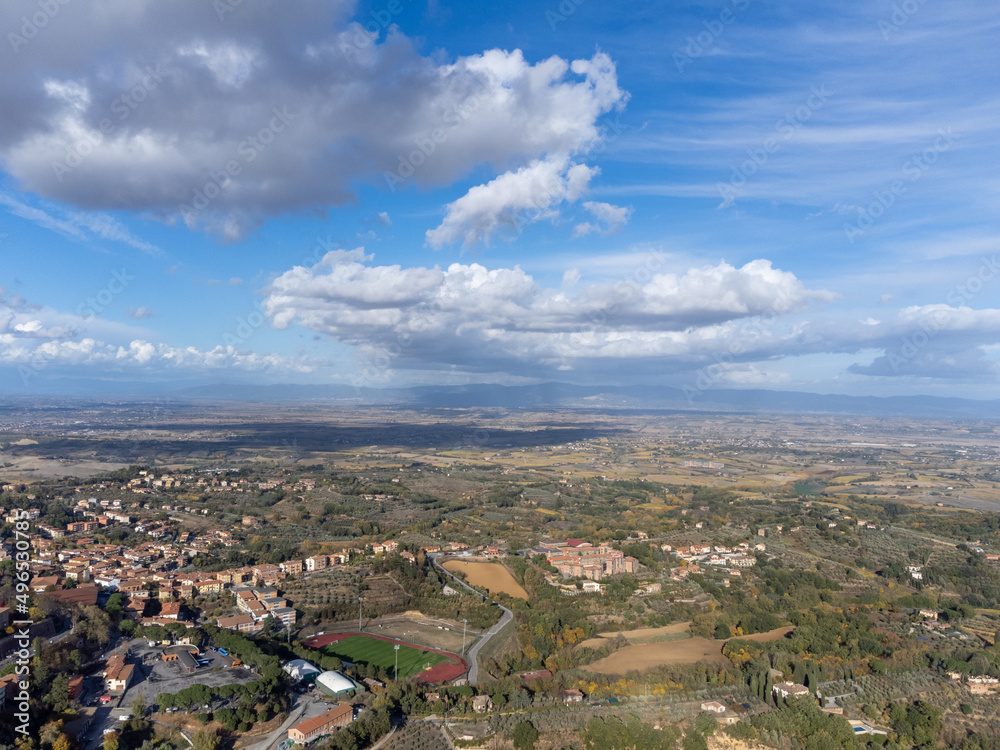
[361,649]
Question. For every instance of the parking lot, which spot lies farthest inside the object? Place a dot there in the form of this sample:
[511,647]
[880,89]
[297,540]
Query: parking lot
[151,677]
[158,676]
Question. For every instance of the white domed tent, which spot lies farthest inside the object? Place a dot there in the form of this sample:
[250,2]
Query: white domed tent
[337,685]
[301,670]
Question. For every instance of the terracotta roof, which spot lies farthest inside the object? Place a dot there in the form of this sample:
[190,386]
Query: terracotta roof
[80,595]
[309,726]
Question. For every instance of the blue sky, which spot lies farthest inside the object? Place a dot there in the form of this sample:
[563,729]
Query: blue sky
[734,194]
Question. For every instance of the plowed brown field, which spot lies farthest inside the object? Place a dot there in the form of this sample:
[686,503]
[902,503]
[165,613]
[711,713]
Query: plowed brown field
[490,576]
[641,656]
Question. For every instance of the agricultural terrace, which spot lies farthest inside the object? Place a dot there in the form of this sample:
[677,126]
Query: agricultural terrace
[493,577]
[431,665]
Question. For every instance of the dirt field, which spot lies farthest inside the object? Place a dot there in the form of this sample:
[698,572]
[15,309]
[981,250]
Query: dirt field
[636,636]
[30,467]
[424,631]
[644,654]
[719,741]
[491,576]
[770,635]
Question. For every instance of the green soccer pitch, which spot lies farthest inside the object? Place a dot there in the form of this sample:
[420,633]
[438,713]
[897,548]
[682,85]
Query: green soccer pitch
[361,649]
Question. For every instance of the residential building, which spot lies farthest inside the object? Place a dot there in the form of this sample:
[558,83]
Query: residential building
[292,567]
[789,690]
[306,731]
[318,562]
[118,674]
[242,623]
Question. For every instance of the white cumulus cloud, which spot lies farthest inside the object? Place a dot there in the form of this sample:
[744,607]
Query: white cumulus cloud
[530,194]
[473,318]
[302,100]
[610,218]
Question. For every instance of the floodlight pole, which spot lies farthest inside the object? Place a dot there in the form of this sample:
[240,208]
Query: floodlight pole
[395,673]
[359,613]
[464,624]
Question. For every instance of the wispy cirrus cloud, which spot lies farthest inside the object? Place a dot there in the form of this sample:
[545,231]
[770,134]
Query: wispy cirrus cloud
[77,225]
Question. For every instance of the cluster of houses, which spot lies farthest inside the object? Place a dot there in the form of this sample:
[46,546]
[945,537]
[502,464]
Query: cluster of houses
[148,482]
[149,572]
[696,464]
[153,571]
[154,565]
[977,684]
[256,605]
[97,515]
[575,558]
[733,559]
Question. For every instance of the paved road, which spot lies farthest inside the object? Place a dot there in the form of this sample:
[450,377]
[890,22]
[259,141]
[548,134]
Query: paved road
[54,640]
[473,655]
[293,718]
[303,707]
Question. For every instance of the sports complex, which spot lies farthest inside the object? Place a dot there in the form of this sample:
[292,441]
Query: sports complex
[426,664]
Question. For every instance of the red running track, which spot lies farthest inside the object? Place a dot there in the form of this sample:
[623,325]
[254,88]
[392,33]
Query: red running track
[440,673]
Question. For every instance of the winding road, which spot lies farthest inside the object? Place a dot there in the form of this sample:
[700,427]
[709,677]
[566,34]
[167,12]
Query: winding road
[473,655]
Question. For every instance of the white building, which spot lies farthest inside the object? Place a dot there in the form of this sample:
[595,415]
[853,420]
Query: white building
[335,684]
[301,670]
[789,689]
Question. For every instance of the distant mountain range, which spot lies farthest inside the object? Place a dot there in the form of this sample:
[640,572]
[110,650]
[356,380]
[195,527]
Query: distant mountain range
[564,395]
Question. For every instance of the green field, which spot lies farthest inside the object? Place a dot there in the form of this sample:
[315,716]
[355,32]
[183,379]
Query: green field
[361,649]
